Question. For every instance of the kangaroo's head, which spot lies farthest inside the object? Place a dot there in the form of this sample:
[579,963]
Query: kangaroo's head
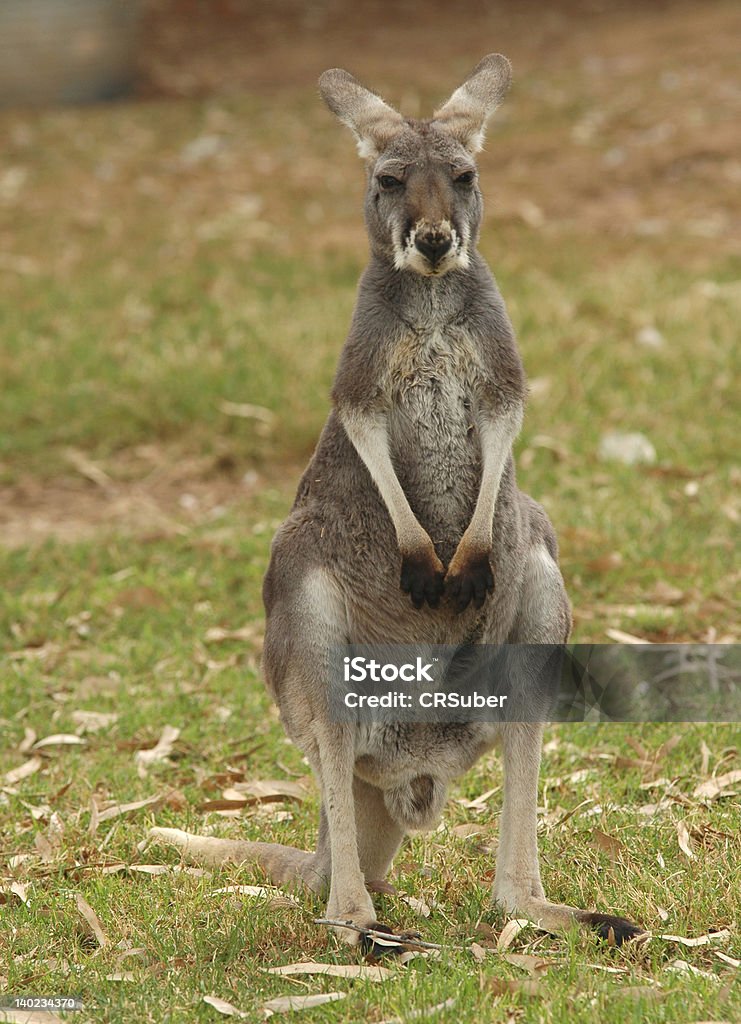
[423,205]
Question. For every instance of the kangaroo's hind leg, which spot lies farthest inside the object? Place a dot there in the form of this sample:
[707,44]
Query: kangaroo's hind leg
[544,618]
[307,618]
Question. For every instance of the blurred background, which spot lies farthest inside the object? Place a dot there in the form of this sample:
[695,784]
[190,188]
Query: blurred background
[181,235]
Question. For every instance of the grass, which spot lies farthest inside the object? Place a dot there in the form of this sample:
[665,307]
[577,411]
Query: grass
[143,290]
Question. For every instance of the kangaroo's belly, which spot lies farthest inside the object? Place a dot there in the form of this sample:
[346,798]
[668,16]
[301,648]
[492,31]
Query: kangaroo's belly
[434,441]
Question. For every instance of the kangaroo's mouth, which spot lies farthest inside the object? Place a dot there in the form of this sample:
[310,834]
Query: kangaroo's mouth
[430,253]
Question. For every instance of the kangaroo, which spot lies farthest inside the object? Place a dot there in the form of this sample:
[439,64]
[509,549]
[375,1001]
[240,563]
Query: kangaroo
[408,526]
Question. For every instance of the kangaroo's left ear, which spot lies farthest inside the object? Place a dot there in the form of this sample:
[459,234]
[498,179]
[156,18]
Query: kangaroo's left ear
[465,114]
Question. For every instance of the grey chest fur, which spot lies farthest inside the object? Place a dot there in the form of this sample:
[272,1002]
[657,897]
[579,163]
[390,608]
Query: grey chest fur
[434,442]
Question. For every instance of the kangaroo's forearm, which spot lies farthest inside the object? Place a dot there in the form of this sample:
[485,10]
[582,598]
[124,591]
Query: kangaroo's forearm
[368,435]
[497,435]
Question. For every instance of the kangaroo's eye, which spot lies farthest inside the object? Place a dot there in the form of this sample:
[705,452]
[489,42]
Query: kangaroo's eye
[388,182]
[466,178]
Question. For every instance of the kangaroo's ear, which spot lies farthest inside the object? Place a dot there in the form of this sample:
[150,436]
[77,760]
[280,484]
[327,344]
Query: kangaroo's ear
[373,122]
[465,114]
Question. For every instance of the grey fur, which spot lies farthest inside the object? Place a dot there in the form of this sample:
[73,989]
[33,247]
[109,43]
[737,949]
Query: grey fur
[401,487]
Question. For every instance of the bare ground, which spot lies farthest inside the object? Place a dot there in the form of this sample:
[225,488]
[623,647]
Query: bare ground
[653,98]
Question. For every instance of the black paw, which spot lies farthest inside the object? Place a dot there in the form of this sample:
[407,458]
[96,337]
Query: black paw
[614,930]
[471,581]
[422,578]
[375,947]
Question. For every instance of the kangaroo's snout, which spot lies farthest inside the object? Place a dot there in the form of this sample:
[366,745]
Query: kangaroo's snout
[433,245]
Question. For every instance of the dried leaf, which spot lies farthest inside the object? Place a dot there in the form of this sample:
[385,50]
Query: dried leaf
[418,906]
[480,801]
[713,788]
[683,837]
[682,967]
[700,940]
[163,869]
[93,721]
[268,790]
[360,971]
[161,752]
[61,739]
[30,1017]
[467,830]
[223,1007]
[530,963]
[621,637]
[289,1003]
[16,889]
[23,771]
[29,738]
[510,932]
[477,952]
[91,919]
[608,844]
[730,960]
[120,810]
[514,986]
[630,449]
[276,896]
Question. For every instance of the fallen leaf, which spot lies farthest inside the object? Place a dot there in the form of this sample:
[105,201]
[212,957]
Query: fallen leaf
[621,637]
[640,992]
[93,721]
[510,932]
[23,771]
[61,739]
[700,940]
[268,790]
[530,963]
[164,869]
[467,830]
[713,788]
[263,892]
[360,971]
[479,801]
[418,906]
[29,738]
[144,759]
[477,952]
[30,1017]
[730,960]
[91,919]
[628,448]
[223,1007]
[120,810]
[608,844]
[515,986]
[683,838]
[290,1003]
[682,967]
[16,889]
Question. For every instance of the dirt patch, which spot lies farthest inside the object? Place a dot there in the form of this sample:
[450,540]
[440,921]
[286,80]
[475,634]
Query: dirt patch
[175,496]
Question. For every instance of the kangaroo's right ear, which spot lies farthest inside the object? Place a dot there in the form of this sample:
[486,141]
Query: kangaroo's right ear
[373,122]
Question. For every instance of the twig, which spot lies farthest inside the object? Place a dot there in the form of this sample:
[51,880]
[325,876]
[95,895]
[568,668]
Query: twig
[384,937]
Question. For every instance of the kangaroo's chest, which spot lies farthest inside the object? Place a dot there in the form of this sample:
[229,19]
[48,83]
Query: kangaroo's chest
[435,447]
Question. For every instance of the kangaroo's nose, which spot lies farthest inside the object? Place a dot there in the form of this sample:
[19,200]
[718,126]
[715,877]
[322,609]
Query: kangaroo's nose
[433,246]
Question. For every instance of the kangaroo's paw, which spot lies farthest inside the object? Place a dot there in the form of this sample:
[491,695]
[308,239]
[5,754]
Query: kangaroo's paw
[469,578]
[422,575]
[614,930]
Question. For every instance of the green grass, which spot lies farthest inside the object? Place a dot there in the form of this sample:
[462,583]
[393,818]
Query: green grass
[140,294]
